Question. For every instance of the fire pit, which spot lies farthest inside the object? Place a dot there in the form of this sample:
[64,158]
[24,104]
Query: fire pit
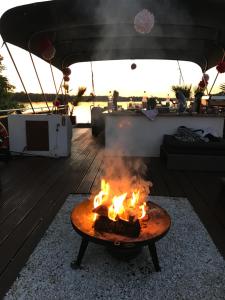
[123,232]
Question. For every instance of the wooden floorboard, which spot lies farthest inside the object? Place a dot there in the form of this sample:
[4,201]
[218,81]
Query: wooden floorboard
[204,211]
[34,188]
[39,195]
[89,178]
[159,186]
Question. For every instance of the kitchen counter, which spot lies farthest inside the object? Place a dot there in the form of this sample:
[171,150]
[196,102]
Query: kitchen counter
[131,133]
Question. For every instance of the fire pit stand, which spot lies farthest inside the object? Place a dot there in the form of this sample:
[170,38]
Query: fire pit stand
[152,230]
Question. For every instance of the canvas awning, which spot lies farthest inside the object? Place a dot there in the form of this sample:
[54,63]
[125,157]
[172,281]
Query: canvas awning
[90,30]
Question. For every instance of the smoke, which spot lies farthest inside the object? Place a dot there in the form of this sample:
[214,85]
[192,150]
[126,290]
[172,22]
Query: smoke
[125,175]
[117,38]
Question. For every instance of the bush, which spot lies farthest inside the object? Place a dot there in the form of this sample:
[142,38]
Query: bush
[185,89]
[8,104]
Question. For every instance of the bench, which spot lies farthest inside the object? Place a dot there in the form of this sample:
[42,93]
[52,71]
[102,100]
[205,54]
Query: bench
[199,156]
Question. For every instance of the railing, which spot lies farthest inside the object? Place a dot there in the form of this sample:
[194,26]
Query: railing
[42,109]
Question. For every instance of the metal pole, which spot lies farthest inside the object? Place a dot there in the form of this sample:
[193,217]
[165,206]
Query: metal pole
[19,76]
[213,83]
[207,91]
[92,79]
[181,75]
[53,77]
[39,81]
[60,87]
[57,92]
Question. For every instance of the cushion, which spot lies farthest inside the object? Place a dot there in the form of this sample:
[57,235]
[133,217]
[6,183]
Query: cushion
[173,145]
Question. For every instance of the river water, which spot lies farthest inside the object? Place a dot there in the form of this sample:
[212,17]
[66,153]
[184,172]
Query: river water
[82,111]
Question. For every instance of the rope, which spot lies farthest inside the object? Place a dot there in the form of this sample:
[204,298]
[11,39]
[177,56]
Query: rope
[19,76]
[39,82]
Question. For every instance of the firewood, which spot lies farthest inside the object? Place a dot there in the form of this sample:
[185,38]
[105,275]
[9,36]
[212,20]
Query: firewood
[130,229]
[101,210]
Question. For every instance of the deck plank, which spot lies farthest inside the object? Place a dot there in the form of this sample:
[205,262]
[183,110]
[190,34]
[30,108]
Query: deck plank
[87,181]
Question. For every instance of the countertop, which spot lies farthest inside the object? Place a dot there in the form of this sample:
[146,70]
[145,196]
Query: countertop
[134,113]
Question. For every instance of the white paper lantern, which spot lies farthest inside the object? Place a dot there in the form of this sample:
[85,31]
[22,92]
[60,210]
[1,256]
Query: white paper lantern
[144,21]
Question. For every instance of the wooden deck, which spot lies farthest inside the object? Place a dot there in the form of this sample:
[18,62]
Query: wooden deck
[33,189]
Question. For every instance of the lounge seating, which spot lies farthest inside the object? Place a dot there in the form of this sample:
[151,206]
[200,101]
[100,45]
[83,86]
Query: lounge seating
[97,120]
[199,155]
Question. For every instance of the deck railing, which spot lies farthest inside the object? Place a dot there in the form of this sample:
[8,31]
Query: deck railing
[38,110]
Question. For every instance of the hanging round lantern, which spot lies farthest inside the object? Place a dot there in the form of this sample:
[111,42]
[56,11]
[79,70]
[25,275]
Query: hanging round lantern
[221,67]
[66,78]
[56,102]
[133,66]
[66,71]
[43,44]
[205,77]
[202,84]
[45,48]
[49,53]
[144,21]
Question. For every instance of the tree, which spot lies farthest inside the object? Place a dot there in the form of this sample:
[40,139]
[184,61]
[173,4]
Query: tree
[6,90]
[5,86]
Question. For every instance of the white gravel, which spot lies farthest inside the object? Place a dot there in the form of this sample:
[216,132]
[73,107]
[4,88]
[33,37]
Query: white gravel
[192,268]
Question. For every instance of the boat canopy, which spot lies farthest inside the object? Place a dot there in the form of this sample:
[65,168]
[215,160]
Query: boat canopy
[92,30]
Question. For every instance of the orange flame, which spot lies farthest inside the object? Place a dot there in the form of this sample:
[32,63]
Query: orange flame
[116,208]
[120,206]
[99,199]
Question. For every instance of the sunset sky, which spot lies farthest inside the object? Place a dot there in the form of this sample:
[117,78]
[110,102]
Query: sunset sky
[153,76]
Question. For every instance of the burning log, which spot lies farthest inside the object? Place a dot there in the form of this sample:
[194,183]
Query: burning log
[101,210]
[130,229]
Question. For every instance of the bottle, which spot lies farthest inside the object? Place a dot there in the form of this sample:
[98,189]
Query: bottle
[110,102]
[168,101]
[144,100]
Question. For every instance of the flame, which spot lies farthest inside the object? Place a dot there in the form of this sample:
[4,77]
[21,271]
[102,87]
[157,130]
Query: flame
[99,198]
[135,198]
[143,210]
[120,206]
[116,208]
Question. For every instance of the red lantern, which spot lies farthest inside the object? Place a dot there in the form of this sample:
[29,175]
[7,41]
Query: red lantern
[202,84]
[133,66]
[49,53]
[66,71]
[205,77]
[43,44]
[66,78]
[221,67]
[45,48]
[56,102]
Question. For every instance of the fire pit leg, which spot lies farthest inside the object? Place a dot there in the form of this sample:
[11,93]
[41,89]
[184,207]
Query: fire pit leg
[153,253]
[76,263]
